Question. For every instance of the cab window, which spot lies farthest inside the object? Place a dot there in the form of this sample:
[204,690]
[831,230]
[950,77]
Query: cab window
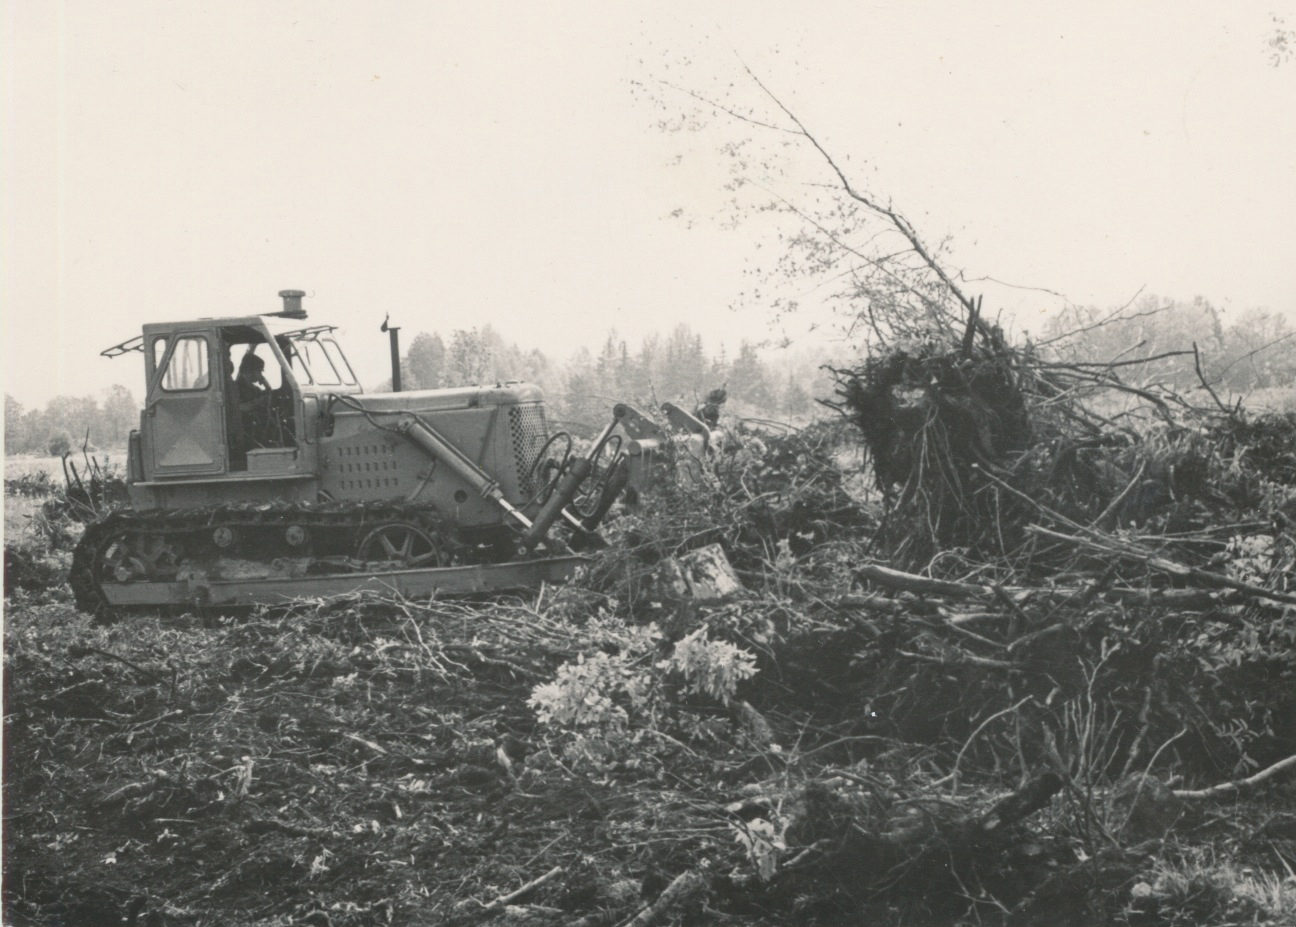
[187,368]
[319,367]
[339,361]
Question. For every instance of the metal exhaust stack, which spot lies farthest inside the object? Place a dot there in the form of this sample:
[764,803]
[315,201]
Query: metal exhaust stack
[393,333]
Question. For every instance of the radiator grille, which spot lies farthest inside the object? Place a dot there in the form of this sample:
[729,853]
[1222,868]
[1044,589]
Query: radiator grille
[366,465]
[529,431]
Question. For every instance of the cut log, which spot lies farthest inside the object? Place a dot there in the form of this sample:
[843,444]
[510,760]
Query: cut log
[704,574]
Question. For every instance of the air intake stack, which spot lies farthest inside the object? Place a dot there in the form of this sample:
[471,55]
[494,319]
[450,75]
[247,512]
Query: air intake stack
[292,306]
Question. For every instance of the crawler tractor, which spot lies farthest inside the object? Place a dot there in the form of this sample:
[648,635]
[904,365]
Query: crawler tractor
[315,488]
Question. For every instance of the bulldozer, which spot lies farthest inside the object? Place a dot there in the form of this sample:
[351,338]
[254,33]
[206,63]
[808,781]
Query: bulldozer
[261,473]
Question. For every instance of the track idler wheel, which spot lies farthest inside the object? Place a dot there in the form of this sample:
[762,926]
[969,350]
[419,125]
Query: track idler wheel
[403,546]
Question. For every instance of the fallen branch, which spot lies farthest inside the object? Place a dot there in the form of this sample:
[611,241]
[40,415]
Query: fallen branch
[956,656]
[1012,808]
[1239,785]
[1202,577]
[869,603]
[1011,596]
[923,585]
[513,896]
[1178,598]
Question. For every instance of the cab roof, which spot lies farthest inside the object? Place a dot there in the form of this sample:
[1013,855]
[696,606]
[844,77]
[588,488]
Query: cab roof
[274,325]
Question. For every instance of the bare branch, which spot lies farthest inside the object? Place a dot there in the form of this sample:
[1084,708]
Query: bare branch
[1251,354]
[1206,383]
[725,109]
[1017,286]
[896,219]
[1238,785]
[1116,315]
[876,263]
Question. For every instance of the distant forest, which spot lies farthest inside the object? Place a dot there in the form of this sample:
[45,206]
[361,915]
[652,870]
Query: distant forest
[64,424]
[1256,350]
[580,391]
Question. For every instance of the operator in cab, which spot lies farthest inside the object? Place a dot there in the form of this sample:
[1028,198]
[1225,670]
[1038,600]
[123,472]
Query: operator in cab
[251,382]
[253,396]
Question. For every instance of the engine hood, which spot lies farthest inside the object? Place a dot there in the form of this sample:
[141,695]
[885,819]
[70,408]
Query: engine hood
[441,400]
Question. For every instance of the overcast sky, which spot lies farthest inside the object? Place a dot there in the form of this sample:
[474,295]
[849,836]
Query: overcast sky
[464,164]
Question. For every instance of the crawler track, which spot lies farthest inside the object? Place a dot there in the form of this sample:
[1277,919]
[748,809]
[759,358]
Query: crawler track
[159,546]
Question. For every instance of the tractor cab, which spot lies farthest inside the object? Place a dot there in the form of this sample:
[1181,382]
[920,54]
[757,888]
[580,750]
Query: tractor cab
[235,397]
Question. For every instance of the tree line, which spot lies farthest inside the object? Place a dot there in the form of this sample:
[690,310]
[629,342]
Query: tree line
[67,421]
[659,368]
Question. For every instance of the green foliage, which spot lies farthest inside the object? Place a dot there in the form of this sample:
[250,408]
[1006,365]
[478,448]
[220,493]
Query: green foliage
[596,703]
[763,842]
[1244,672]
[712,667]
[589,703]
[594,692]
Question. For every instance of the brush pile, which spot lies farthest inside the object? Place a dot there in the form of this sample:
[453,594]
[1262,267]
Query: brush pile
[1060,525]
